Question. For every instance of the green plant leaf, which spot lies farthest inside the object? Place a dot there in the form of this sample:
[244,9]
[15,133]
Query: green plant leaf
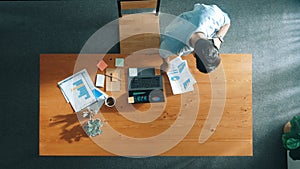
[292,143]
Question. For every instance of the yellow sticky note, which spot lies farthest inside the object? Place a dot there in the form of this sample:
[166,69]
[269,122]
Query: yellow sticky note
[130,99]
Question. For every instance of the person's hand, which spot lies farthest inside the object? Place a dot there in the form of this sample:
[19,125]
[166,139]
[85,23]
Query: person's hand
[217,43]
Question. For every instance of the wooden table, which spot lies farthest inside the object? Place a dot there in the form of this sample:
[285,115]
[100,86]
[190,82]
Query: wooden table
[61,131]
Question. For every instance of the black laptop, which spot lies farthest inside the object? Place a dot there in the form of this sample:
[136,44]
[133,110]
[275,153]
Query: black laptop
[144,86]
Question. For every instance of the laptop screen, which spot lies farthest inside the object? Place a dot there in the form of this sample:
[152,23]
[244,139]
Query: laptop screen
[146,72]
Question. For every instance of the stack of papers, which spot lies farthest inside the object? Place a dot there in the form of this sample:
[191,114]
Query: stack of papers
[80,91]
[180,77]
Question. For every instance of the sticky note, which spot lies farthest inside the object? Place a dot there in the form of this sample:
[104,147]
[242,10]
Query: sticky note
[119,62]
[133,72]
[102,65]
[130,99]
[100,80]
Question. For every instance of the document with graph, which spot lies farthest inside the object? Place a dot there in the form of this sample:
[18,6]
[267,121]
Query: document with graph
[80,91]
[180,76]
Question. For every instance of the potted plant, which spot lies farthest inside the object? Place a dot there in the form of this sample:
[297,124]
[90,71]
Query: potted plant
[291,137]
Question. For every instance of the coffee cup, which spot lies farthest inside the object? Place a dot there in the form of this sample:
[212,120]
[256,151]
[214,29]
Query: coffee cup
[110,101]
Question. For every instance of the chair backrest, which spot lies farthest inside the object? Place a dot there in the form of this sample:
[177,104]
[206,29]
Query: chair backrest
[137,4]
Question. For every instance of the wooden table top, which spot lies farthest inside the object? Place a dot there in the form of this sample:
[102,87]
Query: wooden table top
[181,126]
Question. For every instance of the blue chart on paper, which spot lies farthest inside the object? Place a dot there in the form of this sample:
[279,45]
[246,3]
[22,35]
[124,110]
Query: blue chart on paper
[175,78]
[181,67]
[186,83]
[173,71]
[79,86]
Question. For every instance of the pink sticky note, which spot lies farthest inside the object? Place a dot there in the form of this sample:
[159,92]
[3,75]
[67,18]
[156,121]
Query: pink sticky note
[101,65]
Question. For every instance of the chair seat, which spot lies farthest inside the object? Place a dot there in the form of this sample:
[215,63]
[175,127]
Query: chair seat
[137,4]
[138,32]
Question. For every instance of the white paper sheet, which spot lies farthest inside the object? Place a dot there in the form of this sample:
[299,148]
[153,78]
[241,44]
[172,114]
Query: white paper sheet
[78,90]
[180,77]
[100,80]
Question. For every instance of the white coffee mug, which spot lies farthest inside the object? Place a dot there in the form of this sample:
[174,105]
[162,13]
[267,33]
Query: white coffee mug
[110,101]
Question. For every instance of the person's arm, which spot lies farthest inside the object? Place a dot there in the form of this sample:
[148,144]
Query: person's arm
[218,39]
[165,65]
[223,30]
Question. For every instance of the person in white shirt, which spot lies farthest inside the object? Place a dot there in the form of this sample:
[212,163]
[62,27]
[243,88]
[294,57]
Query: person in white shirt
[200,31]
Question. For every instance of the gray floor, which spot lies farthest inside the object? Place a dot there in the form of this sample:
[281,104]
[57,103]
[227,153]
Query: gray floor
[267,29]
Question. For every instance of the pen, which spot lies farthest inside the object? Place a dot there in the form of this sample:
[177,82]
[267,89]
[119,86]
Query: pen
[112,77]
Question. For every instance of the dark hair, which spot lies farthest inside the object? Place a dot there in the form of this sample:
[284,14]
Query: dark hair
[207,55]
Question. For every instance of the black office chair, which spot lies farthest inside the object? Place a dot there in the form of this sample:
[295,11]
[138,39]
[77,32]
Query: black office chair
[135,4]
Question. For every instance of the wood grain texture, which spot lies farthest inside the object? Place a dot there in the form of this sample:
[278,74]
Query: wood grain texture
[138,4]
[138,32]
[62,134]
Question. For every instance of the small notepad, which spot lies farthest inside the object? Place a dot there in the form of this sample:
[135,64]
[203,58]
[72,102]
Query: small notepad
[102,65]
[119,62]
[133,72]
[100,80]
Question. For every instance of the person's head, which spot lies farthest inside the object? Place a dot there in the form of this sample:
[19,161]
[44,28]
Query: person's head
[207,55]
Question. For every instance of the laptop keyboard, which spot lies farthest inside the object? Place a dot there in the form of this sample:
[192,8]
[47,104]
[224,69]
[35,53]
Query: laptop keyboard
[145,82]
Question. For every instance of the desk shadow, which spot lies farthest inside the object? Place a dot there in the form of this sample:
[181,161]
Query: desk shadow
[70,131]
